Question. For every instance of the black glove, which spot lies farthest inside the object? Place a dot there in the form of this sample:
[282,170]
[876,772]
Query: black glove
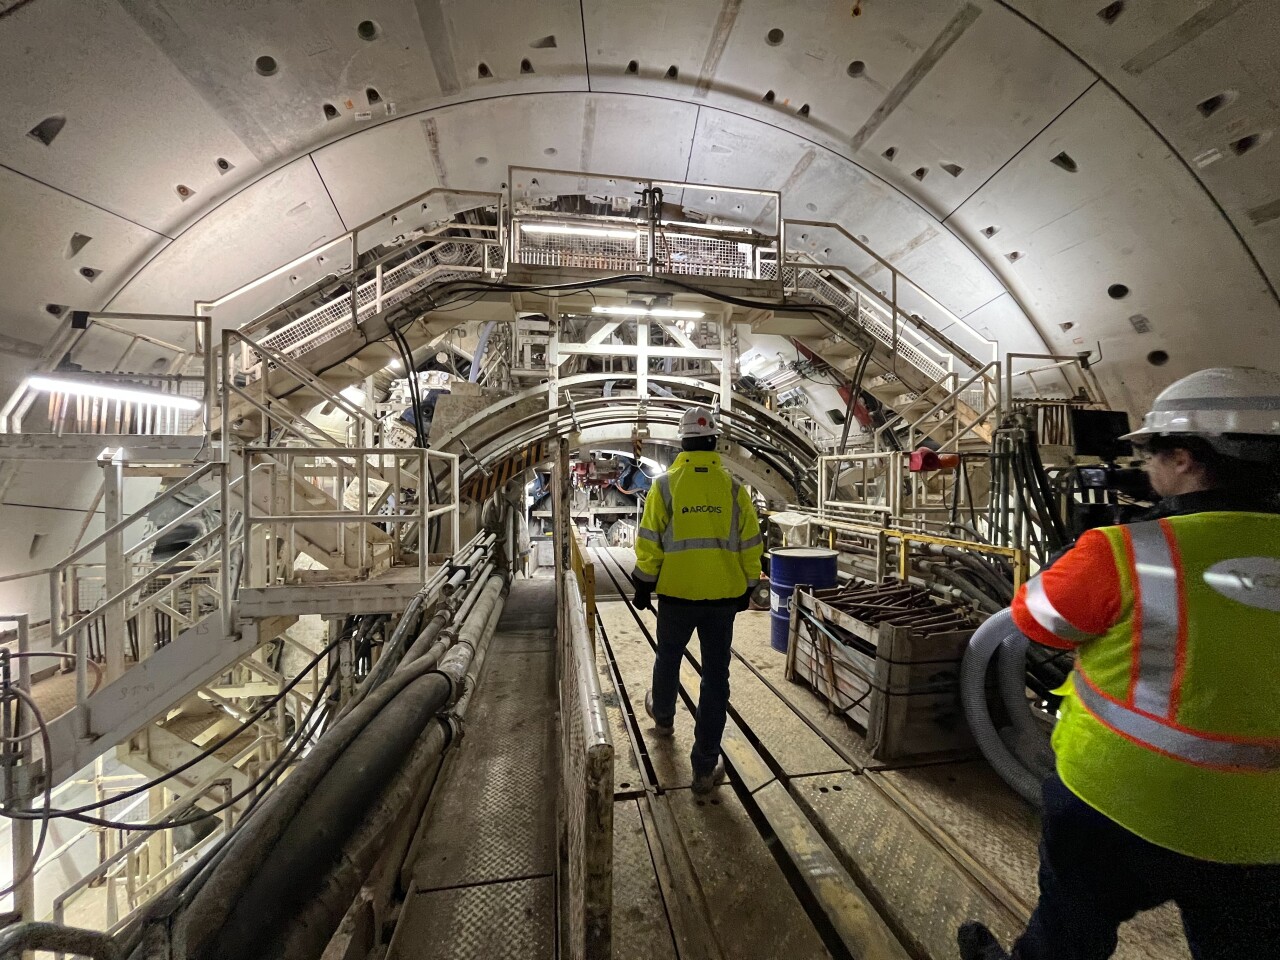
[744,602]
[644,598]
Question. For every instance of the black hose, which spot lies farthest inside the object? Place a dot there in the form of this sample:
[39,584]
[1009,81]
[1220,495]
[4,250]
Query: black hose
[313,838]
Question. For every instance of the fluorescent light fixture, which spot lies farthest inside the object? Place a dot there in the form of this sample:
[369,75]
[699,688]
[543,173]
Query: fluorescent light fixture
[106,391]
[664,312]
[600,233]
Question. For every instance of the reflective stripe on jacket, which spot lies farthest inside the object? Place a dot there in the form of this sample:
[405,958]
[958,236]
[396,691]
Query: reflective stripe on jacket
[699,538]
[1171,720]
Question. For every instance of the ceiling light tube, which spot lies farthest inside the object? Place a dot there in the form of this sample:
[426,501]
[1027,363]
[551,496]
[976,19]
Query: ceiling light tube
[106,391]
[600,233]
[664,312]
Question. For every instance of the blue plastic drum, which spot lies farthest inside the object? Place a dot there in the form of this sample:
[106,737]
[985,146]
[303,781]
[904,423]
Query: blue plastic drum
[789,566]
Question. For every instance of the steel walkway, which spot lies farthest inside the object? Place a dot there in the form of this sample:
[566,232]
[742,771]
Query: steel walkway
[483,868]
[811,850]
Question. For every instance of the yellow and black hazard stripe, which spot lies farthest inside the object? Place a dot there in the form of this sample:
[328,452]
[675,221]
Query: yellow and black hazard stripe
[481,486]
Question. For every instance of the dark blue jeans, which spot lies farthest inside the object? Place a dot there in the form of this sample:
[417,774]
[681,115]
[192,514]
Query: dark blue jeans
[714,623]
[1095,875]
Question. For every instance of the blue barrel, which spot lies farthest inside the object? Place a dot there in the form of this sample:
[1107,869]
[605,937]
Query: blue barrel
[789,566]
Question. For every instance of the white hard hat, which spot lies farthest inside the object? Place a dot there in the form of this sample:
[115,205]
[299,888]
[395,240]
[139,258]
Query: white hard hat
[1243,401]
[698,422]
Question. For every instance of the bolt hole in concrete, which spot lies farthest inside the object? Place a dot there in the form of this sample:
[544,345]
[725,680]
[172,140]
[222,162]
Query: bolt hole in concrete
[672,72]
[266,66]
[823,790]
[550,151]
[1117,291]
[1157,358]
[484,71]
[330,112]
[920,173]
[368,30]
[54,309]
[890,153]
[481,161]
[223,164]
[803,111]
[1065,161]
[372,96]
[774,37]
[1245,144]
[1215,103]
[625,786]
[769,96]
[990,231]
[811,207]
[47,129]
[184,192]
[953,168]
[857,68]
[1069,325]
[89,273]
[1111,12]
[526,66]
[633,67]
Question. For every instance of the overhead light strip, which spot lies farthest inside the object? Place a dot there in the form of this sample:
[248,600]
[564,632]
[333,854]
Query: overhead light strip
[663,312]
[105,391]
[599,233]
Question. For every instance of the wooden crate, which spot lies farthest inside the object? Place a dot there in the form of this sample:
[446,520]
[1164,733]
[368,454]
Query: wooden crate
[899,685]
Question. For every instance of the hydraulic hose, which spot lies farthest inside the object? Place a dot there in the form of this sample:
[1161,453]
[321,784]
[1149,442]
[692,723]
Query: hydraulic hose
[315,835]
[1030,741]
[986,641]
[308,858]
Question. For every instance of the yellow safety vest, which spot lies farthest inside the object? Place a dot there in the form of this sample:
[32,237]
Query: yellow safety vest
[1171,722]
[699,538]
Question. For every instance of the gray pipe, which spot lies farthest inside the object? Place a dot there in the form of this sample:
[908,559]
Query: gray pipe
[986,640]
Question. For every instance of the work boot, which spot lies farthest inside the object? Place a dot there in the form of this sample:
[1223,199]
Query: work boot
[705,783]
[976,942]
[660,727]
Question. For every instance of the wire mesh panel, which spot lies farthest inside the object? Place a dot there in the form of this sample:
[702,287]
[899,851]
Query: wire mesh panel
[586,790]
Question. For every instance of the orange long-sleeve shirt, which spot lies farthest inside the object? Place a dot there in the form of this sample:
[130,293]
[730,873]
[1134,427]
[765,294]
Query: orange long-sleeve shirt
[1074,600]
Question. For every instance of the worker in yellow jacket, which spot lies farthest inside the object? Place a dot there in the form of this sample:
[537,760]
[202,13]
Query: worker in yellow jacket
[1167,785]
[698,548]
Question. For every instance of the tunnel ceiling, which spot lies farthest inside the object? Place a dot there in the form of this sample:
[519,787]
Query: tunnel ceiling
[1057,173]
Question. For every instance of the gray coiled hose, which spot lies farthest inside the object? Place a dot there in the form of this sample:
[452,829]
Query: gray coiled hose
[1024,759]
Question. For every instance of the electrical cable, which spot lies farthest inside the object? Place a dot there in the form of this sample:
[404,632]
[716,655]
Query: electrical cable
[205,754]
[48,790]
[293,749]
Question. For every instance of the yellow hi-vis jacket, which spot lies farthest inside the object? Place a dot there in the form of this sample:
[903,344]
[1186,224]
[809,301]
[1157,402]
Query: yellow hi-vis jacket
[699,538]
[1171,722]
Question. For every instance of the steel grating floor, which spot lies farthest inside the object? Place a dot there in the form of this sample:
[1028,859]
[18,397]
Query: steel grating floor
[483,882]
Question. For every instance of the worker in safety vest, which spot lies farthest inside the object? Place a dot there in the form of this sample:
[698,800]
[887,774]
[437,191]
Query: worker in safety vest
[698,548]
[1168,743]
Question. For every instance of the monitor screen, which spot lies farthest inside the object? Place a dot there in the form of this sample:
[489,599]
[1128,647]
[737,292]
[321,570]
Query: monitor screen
[1097,433]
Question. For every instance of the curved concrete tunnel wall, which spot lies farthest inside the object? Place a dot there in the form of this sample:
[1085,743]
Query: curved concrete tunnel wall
[1018,159]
